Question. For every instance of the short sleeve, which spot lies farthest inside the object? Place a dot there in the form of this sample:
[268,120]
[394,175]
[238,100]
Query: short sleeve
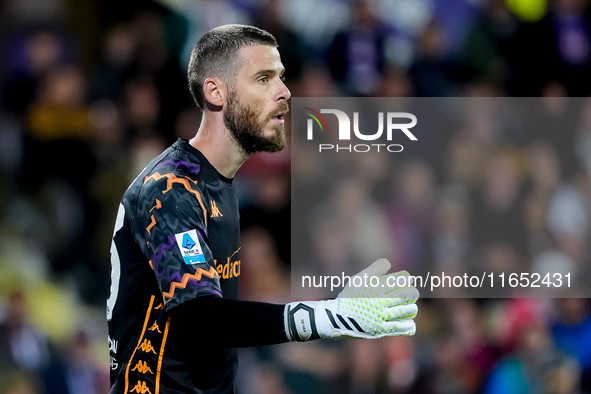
[171,229]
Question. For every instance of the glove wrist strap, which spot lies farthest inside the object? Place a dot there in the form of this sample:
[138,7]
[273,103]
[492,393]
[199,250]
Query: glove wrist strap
[302,322]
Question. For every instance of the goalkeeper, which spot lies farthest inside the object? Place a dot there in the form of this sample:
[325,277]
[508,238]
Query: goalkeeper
[173,315]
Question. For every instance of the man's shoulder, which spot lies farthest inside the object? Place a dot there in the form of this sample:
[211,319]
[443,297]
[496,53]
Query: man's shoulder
[170,184]
[173,163]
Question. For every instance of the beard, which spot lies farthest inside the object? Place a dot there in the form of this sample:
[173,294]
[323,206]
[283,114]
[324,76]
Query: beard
[243,122]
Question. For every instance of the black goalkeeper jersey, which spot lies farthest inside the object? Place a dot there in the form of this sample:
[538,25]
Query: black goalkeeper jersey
[176,238]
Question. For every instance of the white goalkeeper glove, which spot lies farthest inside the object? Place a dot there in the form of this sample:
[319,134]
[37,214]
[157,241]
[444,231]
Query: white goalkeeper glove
[378,309]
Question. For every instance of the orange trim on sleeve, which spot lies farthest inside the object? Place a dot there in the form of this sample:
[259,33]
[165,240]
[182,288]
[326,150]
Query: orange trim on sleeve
[156,176]
[172,179]
[151,225]
[157,206]
[185,182]
[197,276]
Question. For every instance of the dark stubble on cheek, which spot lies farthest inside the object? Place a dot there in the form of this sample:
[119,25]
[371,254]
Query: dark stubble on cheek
[243,122]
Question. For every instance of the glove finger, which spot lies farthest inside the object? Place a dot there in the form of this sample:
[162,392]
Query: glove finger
[396,280]
[377,268]
[403,295]
[400,327]
[400,312]
[393,281]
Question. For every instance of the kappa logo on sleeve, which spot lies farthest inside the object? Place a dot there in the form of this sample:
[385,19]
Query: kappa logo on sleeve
[190,247]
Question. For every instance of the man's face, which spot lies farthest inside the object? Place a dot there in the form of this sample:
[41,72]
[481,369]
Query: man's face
[257,101]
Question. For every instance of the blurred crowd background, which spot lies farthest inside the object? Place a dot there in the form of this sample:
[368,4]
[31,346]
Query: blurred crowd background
[92,90]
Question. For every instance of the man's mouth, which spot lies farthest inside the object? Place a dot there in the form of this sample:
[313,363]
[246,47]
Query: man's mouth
[279,116]
[278,119]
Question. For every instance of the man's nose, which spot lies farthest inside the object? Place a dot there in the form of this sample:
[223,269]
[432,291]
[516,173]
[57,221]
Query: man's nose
[283,92]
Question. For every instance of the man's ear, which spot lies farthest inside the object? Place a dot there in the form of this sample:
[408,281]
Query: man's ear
[215,91]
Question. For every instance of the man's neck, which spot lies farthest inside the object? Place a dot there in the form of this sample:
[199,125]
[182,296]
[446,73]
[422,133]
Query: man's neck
[218,146]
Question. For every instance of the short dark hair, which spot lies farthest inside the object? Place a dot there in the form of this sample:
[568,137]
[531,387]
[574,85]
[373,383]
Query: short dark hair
[215,54]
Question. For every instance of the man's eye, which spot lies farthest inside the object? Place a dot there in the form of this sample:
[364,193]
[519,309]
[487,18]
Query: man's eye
[282,78]
[264,79]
